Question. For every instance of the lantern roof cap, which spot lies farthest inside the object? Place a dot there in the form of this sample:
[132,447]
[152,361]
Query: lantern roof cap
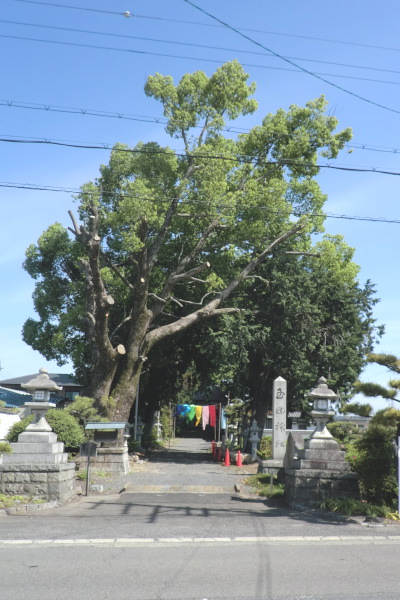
[42,382]
[322,391]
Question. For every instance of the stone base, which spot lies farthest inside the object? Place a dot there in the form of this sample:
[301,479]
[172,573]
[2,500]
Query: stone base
[49,482]
[306,488]
[110,460]
[265,466]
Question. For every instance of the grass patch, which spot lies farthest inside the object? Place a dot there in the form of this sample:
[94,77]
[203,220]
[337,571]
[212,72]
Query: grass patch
[102,474]
[261,485]
[351,507]
[9,501]
[82,475]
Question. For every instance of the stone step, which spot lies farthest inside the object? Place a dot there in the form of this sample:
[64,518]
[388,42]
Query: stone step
[35,459]
[324,465]
[327,455]
[177,489]
[37,448]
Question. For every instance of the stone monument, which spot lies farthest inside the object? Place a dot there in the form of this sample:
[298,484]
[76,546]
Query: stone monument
[38,465]
[317,469]
[279,410]
[279,394]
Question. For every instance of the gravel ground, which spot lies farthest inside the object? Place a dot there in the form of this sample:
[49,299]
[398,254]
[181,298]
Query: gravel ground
[187,462]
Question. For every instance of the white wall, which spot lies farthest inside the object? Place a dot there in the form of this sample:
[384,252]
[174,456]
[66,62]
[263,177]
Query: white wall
[6,420]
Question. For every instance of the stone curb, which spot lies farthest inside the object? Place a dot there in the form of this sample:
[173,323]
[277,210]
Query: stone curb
[23,509]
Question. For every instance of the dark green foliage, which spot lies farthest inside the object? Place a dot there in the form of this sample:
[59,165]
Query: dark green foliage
[84,411]
[375,463]
[344,433]
[265,451]
[373,390]
[356,408]
[387,416]
[64,425]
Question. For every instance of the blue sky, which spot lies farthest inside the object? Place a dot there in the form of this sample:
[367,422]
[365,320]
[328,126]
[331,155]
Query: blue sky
[44,63]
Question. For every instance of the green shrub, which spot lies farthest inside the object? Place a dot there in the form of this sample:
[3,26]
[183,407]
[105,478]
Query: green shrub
[375,462]
[82,408]
[265,451]
[344,433]
[351,507]
[390,417]
[5,448]
[17,428]
[64,425]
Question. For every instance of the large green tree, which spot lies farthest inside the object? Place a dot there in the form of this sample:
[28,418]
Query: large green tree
[164,238]
[308,316]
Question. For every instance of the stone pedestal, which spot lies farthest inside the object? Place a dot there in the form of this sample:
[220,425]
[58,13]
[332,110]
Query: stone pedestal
[46,481]
[110,460]
[315,470]
[306,488]
[38,465]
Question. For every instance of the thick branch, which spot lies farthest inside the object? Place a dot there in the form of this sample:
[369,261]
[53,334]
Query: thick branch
[189,274]
[211,308]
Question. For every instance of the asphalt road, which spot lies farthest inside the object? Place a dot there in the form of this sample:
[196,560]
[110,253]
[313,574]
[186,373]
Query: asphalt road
[164,545]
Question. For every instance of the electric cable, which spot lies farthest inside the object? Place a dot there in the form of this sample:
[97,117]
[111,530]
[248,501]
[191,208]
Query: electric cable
[238,159]
[311,73]
[298,70]
[186,22]
[163,121]
[193,45]
[328,215]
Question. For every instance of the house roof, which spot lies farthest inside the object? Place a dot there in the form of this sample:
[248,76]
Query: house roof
[17,399]
[13,398]
[61,379]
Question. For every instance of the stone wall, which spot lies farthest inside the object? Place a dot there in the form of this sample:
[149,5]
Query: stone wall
[50,482]
[305,488]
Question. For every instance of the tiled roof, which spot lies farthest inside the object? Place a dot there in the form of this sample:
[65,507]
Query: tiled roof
[16,399]
[61,379]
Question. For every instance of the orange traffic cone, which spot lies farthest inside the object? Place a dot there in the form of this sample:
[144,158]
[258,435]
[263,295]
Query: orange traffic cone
[239,459]
[227,461]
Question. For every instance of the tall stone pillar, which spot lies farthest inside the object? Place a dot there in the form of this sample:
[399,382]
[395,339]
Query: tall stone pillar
[279,405]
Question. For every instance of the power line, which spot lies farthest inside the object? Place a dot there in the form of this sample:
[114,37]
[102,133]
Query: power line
[238,159]
[205,46]
[313,74]
[328,215]
[97,10]
[186,22]
[298,69]
[161,121]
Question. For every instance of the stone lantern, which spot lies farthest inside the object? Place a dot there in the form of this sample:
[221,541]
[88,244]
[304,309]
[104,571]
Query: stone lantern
[254,438]
[38,465]
[321,396]
[40,388]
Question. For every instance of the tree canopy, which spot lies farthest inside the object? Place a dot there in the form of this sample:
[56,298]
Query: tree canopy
[166,239]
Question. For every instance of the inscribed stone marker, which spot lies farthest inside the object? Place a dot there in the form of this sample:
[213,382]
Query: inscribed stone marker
[279,418]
